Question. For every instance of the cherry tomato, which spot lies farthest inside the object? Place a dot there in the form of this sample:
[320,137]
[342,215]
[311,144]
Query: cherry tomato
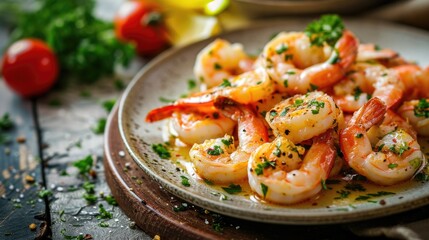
[141,22]
[29,67]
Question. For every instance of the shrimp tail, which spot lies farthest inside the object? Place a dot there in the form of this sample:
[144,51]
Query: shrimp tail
[347,47]
[324,145]
[370,114]
[164,112]
[243,113]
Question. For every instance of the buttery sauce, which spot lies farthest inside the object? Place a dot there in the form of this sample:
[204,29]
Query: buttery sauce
[342,192]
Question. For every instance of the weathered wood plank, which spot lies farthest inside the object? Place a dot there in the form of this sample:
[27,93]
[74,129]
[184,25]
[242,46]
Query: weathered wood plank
[19,202]
[67,132]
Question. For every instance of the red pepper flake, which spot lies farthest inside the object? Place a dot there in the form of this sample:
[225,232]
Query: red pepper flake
[382,202]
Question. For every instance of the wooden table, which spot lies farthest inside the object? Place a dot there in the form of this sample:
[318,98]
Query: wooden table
[54,131]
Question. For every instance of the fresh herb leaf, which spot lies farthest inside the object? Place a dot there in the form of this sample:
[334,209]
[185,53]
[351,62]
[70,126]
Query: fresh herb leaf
[225,83]
[328,29]
[166,100]
[217,66]
[227,142]
[185,181]
[232,189]
[79,39]
[119,84]
[323,182]
[109,104]
[89,187]
[372,195]
[101,125]
[111,200]
[392,165]
[45,193]
[191,84]
[355,187]
[259,170]
[103,213]
[264,189]
[90,198]
[356,93]
[215,151]
[103,224]
[161,150]
[359,135]
[5,122]
[84,165]
[422,108]
[282,48]
[343,194]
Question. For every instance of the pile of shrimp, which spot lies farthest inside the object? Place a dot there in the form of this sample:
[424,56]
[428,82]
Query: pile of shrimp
[297,114]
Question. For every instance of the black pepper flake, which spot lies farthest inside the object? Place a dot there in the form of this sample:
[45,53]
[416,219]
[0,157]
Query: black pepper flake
[287,132]
[382,202]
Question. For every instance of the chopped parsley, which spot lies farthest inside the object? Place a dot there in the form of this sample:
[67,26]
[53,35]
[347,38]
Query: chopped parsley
[103,213]
[103,224]
[84,165]
[422,108]
[313,87]
[318,106]
[286,83]
[372,195]
[298,102]
[277,152]
[217,66]
[185,181]
[44,193]
[90,198]
[399,150]
[335,58]
[392,165]
[343,194]
[191,84]
[266,164]
[282,48]
[359,135]
[111,200]
[232,189]
[161,150]
[89,187]
[288,57]
[328,29]
[101,125]
[355,187]
[225,83]
[109,104]
[5,122]
[227,142]
[416,163]
[215,151]
[356,93]
[284,112]
[264,189]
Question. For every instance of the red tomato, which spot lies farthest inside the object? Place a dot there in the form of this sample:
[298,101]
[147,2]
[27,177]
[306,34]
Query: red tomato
[141,22]
[29,67]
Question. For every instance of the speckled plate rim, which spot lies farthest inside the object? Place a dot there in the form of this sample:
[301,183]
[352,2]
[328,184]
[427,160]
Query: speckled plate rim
[300,216]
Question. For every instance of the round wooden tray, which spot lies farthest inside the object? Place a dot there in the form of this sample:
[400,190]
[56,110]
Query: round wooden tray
[157,212]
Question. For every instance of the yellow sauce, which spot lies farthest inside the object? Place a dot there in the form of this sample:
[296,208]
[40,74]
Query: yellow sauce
[327,198]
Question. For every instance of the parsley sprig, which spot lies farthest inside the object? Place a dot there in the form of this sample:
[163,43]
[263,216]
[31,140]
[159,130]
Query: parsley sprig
[328,29]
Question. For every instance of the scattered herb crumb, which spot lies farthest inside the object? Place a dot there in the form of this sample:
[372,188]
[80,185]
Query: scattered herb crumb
[161,150]
[232,189]
[100,126]
[185,181]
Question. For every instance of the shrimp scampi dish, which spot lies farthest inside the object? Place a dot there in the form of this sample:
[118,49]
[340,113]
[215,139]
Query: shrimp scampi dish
[313,108]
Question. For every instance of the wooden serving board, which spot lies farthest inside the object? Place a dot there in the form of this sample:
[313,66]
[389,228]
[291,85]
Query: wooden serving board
[152,208]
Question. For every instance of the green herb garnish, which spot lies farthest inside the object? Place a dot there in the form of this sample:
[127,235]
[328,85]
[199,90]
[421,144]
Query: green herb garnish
[109,104]
[422,108]
[191,84]
[84,165]
[161,150]
[264,189]
[5,122]
[225,83]
[86,47]
[372,195]
[101,125]
[215,151]
[111,200]
[328,29]
[103,213]
[185,181]
[232,189]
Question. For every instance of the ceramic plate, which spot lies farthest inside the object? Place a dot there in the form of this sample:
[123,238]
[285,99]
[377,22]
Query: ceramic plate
[167,76]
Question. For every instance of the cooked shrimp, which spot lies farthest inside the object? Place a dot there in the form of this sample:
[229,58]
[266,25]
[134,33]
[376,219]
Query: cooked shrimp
[283,57]
[397,156]
[246,88]
[278,173]
[221,60]
[303,117]
[218,160]
[192,127]
[366,81]
[414,79]
[370,51]
[417,113]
